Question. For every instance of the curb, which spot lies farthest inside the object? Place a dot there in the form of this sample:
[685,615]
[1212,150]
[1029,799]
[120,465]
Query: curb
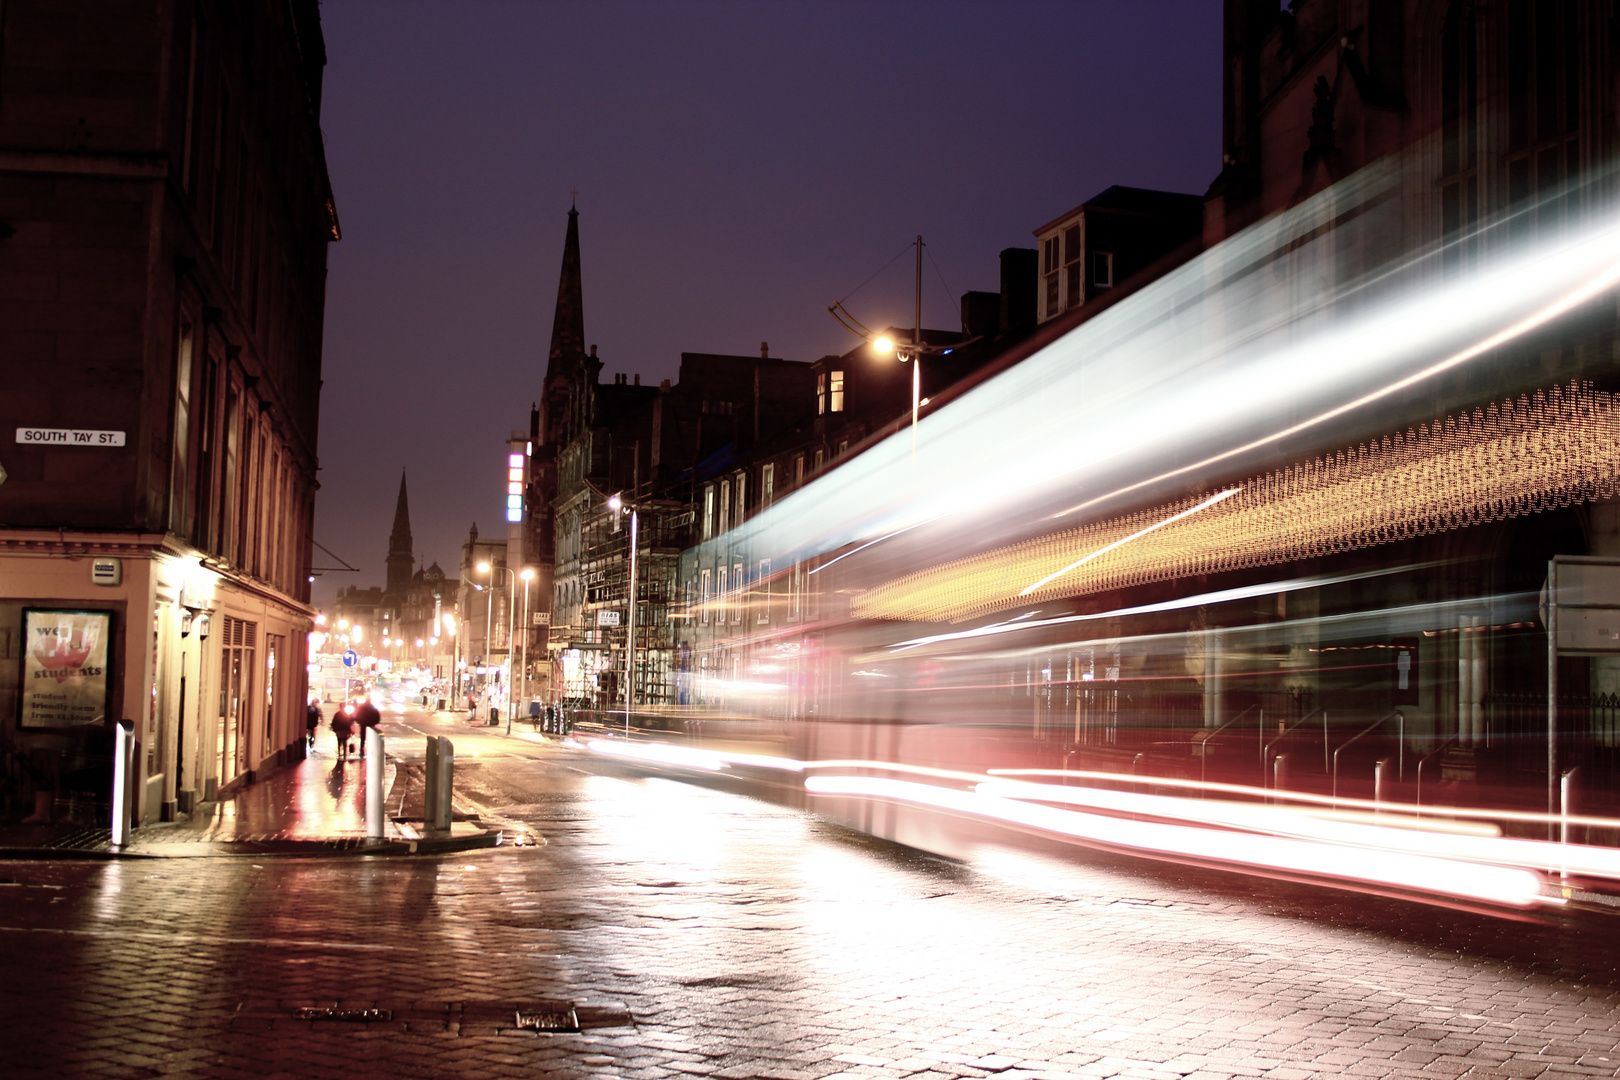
[273,849]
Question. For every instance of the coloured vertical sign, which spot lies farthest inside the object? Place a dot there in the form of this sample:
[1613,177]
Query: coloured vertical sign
[64,667]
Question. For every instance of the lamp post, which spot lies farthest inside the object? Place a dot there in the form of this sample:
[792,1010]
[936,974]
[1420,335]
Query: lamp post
[511,615]
[527,575]
[616,504]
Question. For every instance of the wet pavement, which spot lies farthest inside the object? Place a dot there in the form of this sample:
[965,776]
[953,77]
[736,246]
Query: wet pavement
[692,932]
[314,806]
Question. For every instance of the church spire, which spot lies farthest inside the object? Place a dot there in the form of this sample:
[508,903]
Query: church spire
[568,324]
[400,541]
[400,561]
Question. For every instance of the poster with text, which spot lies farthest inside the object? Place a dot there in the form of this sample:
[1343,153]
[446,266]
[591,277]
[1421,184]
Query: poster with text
[64,667]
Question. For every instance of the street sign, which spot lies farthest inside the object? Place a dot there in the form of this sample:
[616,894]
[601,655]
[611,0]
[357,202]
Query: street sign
[607,618]
[350,658]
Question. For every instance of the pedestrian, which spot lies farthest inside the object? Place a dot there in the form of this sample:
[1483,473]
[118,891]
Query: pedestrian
[366,718]
[534,713]
[342,728]
[312,720]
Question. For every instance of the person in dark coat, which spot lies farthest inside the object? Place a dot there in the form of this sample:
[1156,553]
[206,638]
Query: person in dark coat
[343,727]
[312,720]
[366,717]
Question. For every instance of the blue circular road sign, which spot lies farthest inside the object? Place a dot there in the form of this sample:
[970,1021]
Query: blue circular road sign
[350,658]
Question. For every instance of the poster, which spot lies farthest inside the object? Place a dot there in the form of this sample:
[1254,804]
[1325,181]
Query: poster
[64,667]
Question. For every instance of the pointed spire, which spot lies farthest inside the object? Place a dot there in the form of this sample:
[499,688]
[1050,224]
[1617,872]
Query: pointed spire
[400,542]
[568,324]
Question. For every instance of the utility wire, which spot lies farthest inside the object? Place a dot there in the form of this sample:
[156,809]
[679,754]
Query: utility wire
[879,270]
[947,286]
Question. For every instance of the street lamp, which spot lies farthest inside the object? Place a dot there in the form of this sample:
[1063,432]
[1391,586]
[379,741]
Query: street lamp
[616,504]
[484,567]
[911,352]
[527,575]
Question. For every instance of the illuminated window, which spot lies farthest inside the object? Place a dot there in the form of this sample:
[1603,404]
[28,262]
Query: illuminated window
[737,583]
[703,598]
[720,594]
[725,507]
[837,392]
[708,512]
[765,591]
[767,484]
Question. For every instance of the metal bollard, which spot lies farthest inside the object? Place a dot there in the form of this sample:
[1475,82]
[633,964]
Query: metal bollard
[1381,781]
[430,783]
[374,783]
[446,780]
[1279,773]
[123,780]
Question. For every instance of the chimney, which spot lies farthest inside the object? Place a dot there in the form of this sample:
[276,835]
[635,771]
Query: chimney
[1020,267]
[764,350]
[638,378]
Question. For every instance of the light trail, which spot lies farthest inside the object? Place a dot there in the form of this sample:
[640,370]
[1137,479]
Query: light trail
[1505,886]
[1106,548]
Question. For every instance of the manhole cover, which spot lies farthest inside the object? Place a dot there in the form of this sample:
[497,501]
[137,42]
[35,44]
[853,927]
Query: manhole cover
[361,1016]
[547,1020]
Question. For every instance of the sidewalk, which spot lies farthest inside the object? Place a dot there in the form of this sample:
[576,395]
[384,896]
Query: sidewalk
[315,807]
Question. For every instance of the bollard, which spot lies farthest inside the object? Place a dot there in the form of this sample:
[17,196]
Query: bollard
[430,783]
[1279,773]
[446,780]
[1567,785]
[374,783]
[123,779]
[1381,781]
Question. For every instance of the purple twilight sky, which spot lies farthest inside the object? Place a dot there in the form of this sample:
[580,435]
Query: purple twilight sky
[739,166]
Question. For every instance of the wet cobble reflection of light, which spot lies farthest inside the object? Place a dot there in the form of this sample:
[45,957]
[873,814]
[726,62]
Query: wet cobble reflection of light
[699,933]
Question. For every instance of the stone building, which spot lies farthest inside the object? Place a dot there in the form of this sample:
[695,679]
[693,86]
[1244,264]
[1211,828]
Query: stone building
[165,213]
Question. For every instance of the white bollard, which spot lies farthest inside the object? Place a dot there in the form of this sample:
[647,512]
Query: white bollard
[446,781]
[374,783]
[123,779]
[430,783]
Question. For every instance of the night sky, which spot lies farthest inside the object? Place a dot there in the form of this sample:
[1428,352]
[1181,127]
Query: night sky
[739,166]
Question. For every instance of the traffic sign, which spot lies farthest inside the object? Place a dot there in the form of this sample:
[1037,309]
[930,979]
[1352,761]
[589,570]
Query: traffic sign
[350,658]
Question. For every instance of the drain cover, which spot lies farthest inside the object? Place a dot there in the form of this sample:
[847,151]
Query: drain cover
[547,1020]
[356,1015]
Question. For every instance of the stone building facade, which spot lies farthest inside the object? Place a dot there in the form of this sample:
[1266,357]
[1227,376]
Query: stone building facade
[165,213]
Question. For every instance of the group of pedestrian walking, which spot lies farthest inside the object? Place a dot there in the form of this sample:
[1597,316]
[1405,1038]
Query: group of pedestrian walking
[350,721]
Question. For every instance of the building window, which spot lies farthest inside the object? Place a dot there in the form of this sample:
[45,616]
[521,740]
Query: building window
[720,595]
[1102,269]
[843,447]
[742,498]
[725,507]
[821,457]
[179,482]
[703,599]
[1051,265]
[737,604]
[837,392]
[767,484]
[821,393]
[798,470]
[1071,264]
[765,592]
[708,511]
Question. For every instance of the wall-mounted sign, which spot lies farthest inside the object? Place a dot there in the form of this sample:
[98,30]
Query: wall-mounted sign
[35,436]
[64,667]
[607,618]
[106,571]
[542,618]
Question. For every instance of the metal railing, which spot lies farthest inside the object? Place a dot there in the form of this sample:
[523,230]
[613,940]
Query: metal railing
[1424,760]
[1203,743]
[1367,731]
[1265,752]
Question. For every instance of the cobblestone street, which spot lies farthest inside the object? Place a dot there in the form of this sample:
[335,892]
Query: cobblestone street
[695,932]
